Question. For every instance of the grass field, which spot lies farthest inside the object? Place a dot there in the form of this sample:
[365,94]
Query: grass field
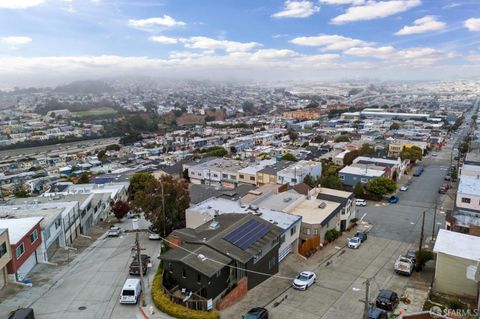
[97,112]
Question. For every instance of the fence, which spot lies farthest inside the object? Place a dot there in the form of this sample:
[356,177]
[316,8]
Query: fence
[309,246]
[195,301]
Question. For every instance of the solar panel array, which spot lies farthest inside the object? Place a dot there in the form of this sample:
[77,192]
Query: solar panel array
[248,233]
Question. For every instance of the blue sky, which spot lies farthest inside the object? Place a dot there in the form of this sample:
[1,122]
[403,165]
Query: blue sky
[292,39]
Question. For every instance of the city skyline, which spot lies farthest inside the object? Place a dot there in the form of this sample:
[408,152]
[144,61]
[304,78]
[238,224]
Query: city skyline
[46,42]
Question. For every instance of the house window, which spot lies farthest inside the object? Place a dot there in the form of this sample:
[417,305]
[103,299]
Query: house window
[170,268]
[219,273]
[342,177]
[3,249]
[252,178]
[241,176]
[363,180]
[293,230]
[282,239]
[307,231]
[33,236]
[465,200]
[199,278]
[215,175]
[271,263]
[20,250]
[58,222]
[224,175]
[315,231]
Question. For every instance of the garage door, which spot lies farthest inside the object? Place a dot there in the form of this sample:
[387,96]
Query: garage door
[23,271]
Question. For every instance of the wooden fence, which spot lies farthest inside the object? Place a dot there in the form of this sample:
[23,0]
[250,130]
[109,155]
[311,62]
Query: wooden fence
[309,246]
[195,301]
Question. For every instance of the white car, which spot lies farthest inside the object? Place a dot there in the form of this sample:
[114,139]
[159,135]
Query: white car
[114,231]
[354,243]
[304,280]
[360,202]
[154,236]
[404,188]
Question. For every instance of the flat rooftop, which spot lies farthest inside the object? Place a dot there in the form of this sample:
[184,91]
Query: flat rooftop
[469,185]
[458,245]
[311,212]
[18,227]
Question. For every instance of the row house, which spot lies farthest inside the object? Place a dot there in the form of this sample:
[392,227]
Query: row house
[295,173]
[5,256]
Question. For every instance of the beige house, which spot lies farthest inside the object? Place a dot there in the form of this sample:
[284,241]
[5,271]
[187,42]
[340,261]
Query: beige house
[457,270]
[5,256]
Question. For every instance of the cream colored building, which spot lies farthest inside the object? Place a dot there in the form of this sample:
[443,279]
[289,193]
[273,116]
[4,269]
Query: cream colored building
[457,270]
[5,256]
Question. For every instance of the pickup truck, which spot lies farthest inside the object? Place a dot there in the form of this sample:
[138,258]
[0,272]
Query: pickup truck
[404,266]
[134,265]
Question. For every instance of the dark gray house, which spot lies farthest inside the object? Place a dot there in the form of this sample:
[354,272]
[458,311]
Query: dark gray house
[216,255]
[351,175]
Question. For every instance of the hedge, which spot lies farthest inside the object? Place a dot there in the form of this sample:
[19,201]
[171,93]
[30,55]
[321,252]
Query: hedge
[164,304]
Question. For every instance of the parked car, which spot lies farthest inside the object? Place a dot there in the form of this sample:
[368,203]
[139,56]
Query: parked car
[354,242]
[387,300]
[22,313]
[412,255]
[376,313]
[360,202]
[256,313]
[404,266]
[131,291]
[404,188]
[442,190]
[304,280]
[447,178]
[154,236]
[134,268]
[114,231]
[362,235]
[393,199]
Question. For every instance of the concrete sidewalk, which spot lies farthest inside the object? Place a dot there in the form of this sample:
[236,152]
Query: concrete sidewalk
[267,292]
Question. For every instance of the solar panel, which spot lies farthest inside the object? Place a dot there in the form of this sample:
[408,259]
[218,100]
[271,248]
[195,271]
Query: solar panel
[248,233]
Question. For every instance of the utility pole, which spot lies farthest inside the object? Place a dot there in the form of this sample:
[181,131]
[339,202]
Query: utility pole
[421,234]
[140,261]
[367,296]
[164,213]
[434,220]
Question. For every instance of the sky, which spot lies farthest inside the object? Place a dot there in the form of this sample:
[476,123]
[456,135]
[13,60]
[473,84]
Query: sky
[51,41]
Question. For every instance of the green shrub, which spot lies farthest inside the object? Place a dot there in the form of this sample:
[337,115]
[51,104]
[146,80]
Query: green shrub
[164,304]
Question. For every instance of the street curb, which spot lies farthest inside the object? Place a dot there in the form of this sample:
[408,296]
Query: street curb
[143,313]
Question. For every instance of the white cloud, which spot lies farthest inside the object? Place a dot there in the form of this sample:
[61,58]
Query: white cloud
[410,56]
[14,41]
[165,21]
[422,25]
[163,39]
[329,42]
[205,43]
[340,2]
[374,10]
[473,24]
[19,4]
[473,58]
[274,54]
[297,9]
[375,52]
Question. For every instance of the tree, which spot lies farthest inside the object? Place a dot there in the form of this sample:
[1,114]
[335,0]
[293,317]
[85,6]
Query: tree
[318,139]
[292,135]
[380,186]
[220,152]
[84,178]
[20,192]
[342,138]
[413,153]
[112,147]
[350,156]
[367,149]
[233,149]
[305,144]
[120,209]
[175,201]
[331,181]
[289,157]
[394,126]
[359,190]
[138,182]
[310,181]
[474,117]
[454,174]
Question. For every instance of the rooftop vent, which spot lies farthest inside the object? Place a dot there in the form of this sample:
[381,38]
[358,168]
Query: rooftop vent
[214,225]
[322,205]
[286,200]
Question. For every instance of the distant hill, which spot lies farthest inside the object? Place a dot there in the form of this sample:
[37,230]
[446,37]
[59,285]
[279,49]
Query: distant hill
[84,88]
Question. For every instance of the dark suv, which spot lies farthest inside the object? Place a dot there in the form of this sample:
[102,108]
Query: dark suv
[375,313]
[256,313]
[387,300]
[362,235]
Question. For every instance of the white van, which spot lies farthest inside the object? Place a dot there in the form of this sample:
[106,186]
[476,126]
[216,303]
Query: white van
[131,291]
[360,202]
